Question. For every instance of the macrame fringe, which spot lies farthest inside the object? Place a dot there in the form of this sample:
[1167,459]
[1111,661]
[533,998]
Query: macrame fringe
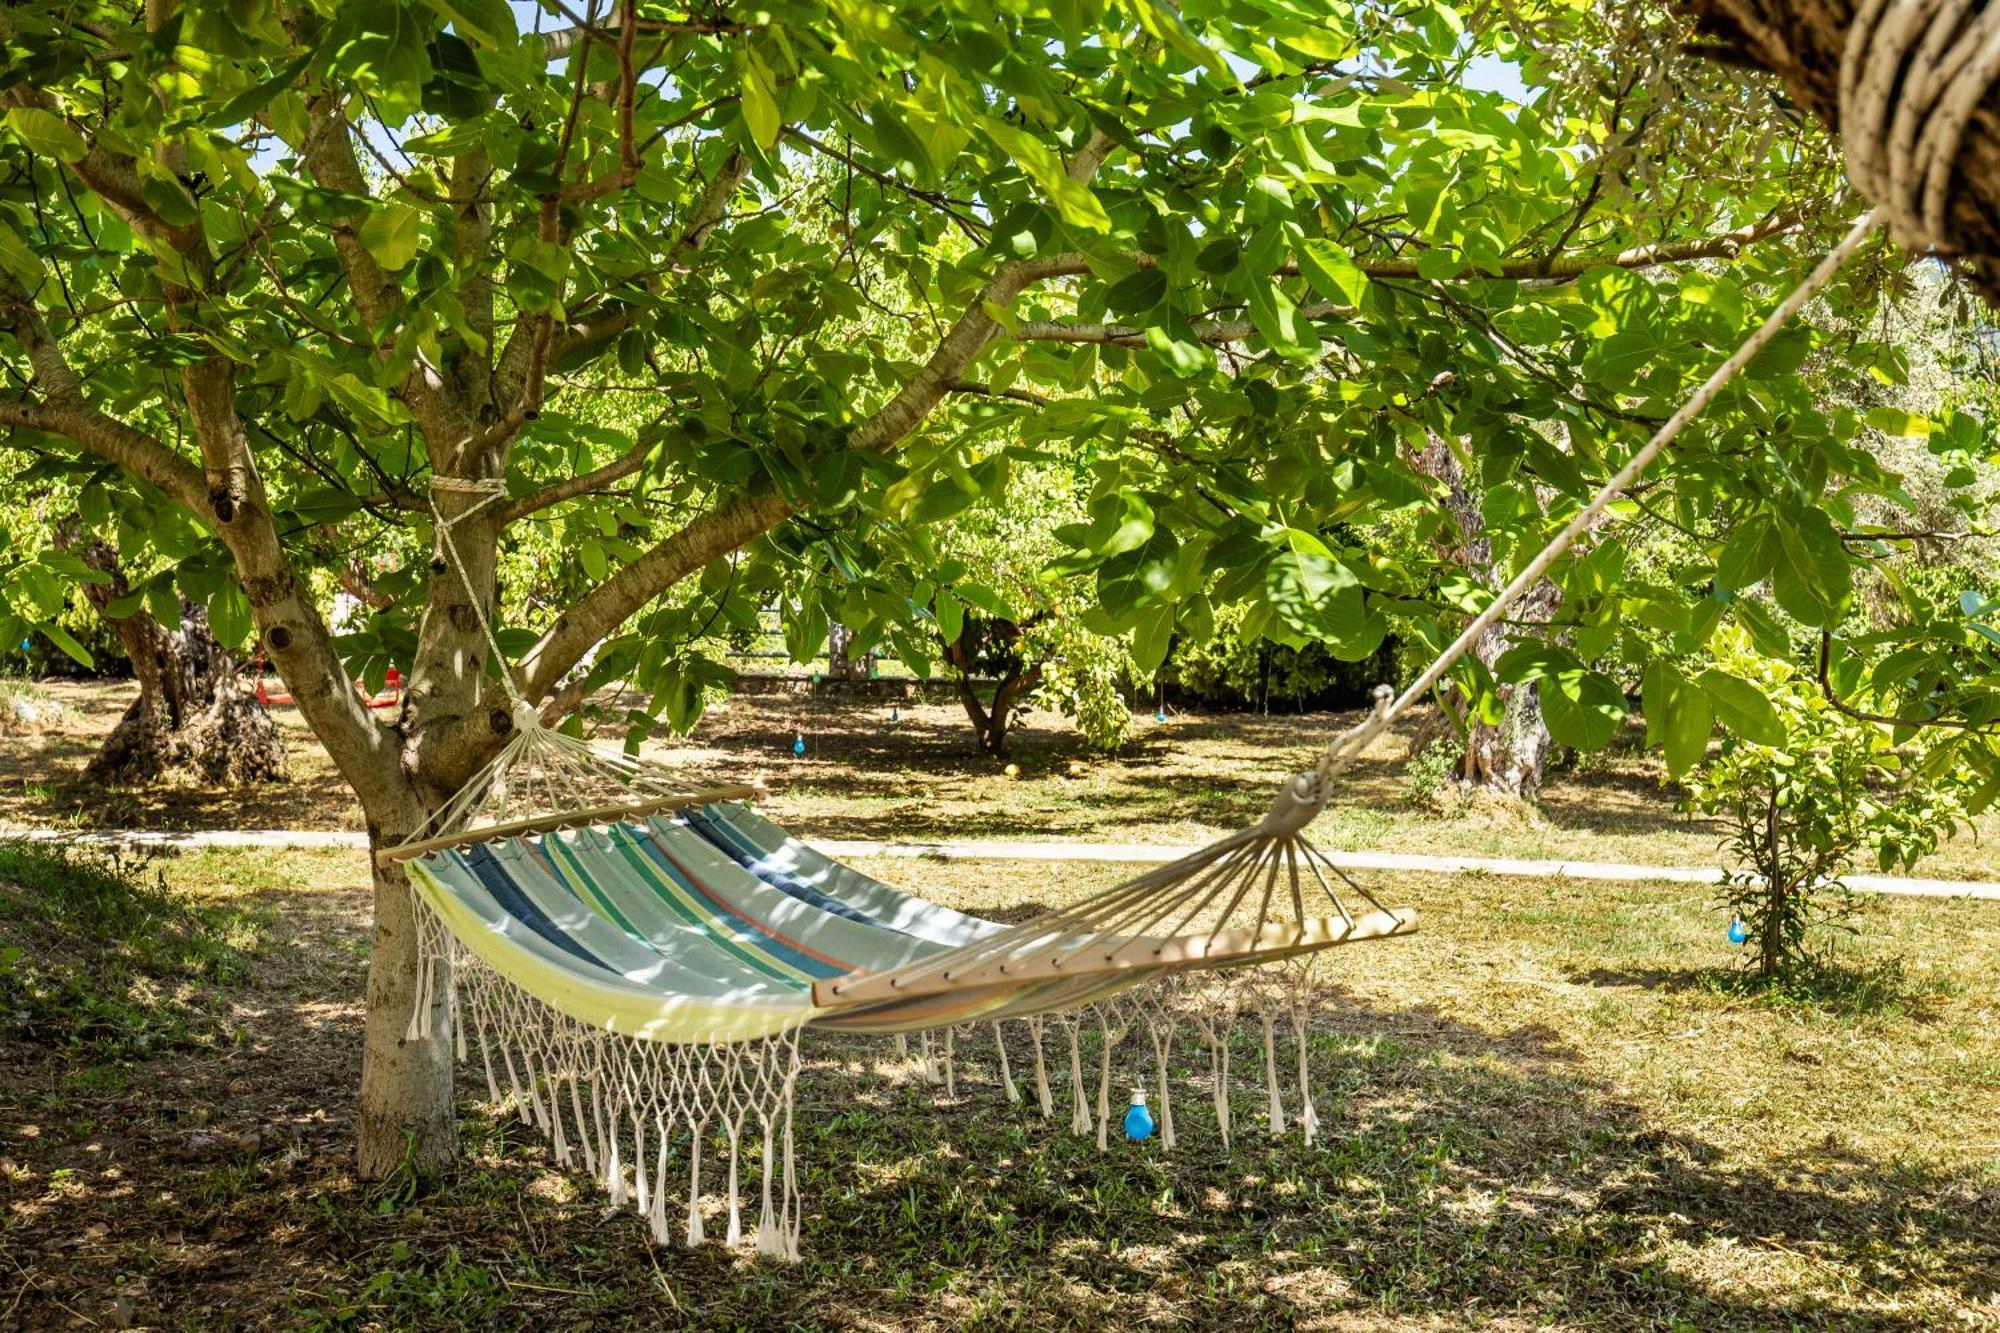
[624,1111]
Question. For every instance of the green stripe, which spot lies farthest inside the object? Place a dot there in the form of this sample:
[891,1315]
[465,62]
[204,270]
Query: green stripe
[571,869]
[670,891]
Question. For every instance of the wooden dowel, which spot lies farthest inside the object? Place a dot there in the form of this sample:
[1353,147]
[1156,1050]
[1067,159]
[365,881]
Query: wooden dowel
[1271,941]
[603,814]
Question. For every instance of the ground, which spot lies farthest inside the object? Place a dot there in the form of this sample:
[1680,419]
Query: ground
[1555,1106]
[920,777]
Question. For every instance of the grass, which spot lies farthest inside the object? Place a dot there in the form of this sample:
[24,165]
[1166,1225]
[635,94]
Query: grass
[1557,1106]
[96,956]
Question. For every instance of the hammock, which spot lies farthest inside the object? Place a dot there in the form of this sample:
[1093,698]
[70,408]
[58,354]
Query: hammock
[611,938]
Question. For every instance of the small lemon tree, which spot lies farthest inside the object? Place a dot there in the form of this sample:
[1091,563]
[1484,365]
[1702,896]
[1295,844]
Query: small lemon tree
[1831,790]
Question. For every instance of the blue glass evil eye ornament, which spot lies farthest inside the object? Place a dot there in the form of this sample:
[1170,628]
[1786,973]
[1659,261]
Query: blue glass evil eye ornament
[1160,715]
[1736,931]
[799,744]
[1138,1120]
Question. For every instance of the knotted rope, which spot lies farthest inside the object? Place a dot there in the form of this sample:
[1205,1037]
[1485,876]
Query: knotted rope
[491,491]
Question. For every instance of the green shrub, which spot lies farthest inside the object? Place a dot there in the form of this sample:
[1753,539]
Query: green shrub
[1430,770]
[1799,816]
[1226,670]
[92,954]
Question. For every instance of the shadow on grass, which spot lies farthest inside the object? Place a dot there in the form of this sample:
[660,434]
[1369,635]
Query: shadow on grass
[1870,987]
[1462,1176]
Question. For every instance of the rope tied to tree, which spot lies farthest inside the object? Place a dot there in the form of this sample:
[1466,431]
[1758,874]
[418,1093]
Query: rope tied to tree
[1912,73]
[491,491]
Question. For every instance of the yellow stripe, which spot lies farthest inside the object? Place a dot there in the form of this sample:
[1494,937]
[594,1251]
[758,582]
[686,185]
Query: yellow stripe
[684,1019]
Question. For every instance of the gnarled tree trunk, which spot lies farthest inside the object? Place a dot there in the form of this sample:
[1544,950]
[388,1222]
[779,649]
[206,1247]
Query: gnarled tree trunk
[193,716]
[1018,680]
[1506,758]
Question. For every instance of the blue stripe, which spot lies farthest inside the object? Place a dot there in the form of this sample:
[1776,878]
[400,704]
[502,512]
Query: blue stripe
[748,931]
[753,860]
[480,860]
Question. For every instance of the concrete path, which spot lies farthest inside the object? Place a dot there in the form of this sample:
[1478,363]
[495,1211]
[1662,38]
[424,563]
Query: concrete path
[1124,853]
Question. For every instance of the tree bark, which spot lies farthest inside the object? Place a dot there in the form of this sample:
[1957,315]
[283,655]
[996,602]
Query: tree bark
[1507,758]
[405,1119]
[1800,41]
[193,716]
[1017,680]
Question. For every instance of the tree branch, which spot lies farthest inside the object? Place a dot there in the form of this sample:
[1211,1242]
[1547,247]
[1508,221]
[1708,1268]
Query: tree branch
[561,42]
[734,522]
[599,612]
[616,470]
[708,213]
[976,389]
[1824,675]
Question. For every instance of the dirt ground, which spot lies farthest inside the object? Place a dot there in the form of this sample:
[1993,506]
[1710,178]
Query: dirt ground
[919,776]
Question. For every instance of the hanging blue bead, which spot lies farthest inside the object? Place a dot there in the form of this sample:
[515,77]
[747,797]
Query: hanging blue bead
[27,645]
[1736,932]
[1138,1120]
[799,745]
[1160,716]
[893,714]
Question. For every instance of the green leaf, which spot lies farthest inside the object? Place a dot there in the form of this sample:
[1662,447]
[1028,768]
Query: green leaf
[1582,708]
[490,22]
[1679,716]
[1073,199]
[1895,421]
[1278,321]
[1742,707]
[1332,272]
[46,133]
[1151,638]
[591,553]
[1813,577]
[950,616]
[1126,580]
[1316,596]
[229,616]
[1749,555]
[760,101]
[62,639]
[390,235]
[18,259]
[1185,357]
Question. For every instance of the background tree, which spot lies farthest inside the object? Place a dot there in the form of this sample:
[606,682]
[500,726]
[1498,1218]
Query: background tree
[364,266]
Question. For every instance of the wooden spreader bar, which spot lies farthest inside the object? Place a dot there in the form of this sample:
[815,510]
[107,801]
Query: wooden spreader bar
[603,814]
[1071,959]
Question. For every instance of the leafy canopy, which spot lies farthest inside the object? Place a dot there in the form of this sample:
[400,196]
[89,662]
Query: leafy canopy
[734,302]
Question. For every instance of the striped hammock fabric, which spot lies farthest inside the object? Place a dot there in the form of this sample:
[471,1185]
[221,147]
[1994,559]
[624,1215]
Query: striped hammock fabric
[644,982]
[708,925]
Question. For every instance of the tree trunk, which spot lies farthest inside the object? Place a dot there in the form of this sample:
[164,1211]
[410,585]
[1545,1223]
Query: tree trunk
[193,716]
[405,1118]
[1800,41]
[840,662]
[1507,758]
[1017,680]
